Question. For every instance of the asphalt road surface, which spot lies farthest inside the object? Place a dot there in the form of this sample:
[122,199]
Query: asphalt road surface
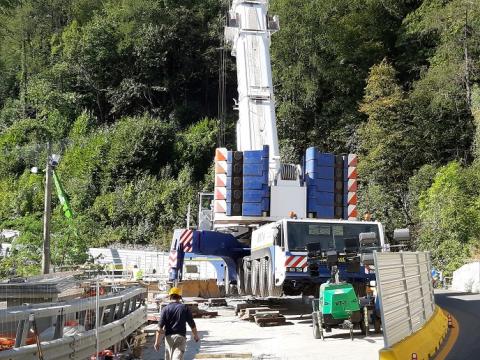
[466,310]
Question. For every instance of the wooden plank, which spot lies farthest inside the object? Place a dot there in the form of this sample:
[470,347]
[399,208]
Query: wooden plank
[250,312]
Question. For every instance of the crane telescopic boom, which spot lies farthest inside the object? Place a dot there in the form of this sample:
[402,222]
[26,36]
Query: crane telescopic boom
[248,31]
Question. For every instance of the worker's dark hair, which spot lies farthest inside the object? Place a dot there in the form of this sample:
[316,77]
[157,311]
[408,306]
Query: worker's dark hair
[175,297]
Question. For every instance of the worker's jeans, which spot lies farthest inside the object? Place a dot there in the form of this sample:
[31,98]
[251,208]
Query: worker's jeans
[175,346]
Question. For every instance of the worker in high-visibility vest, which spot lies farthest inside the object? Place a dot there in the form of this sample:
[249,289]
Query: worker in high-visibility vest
[173,324]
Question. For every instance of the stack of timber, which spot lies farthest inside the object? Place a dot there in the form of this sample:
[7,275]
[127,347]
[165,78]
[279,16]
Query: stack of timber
[263,315]
[251,312]
[269,318]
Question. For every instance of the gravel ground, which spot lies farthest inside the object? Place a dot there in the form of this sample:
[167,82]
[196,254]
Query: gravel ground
[228,334]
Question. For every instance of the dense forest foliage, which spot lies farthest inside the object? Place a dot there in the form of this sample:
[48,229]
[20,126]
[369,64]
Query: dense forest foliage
[127,93]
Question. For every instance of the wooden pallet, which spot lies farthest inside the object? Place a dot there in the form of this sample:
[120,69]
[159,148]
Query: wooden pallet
[272,318]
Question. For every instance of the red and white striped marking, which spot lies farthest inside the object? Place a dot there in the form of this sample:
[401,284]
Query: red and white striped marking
[352,198]
[220,193]
[352,160]
[352,185]
[220,180]
[220,206]
[296,261]
[186,240]
[221,154]
[352,172]
[352,212]
[220,167]
[172,259]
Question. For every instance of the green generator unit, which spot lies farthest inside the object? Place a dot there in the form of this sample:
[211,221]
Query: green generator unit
[336,307]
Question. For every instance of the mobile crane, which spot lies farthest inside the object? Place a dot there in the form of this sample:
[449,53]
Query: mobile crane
[265,214]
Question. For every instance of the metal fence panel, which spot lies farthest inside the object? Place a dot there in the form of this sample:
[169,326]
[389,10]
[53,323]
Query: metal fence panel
[404,284]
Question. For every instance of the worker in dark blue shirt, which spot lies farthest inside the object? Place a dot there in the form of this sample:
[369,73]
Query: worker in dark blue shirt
[173,324]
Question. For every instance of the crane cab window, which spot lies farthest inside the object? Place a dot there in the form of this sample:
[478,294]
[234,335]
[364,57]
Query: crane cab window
[326,236]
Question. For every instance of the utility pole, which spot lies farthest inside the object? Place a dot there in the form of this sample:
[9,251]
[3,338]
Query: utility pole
[188,216]
[47,213]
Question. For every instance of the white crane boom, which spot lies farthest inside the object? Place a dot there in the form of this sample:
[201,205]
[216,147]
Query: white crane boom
[248,31]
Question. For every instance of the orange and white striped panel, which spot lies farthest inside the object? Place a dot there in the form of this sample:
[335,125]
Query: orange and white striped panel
[352,160]
[352,185]
[352,198]
[220,167]
[220,193]
[221,154]
[352,172]
[220,206]
[352,212]
[220,180]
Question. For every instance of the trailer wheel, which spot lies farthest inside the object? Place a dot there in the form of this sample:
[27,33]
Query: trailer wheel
[263,273]
[254,278]
[377,323]
[229,289]
[240,278]
[247,277]
[317,330]
[273,290]
[364,325]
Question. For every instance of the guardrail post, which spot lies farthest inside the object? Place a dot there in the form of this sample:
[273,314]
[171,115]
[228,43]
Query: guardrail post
[99,317]
[82,317]
[59,326]
[126,311]
[22,332]
[111,313]
[121,306]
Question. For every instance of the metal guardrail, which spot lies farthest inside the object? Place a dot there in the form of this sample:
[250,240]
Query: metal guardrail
[405,290]
[119,315]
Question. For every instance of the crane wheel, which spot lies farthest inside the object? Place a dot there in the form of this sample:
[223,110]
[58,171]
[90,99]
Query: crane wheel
[273,290]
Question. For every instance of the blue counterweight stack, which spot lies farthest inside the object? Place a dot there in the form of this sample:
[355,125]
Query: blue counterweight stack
[320,178]
[234,183]
[256,193]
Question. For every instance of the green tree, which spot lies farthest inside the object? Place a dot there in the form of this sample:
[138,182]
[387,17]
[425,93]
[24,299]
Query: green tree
[450,222]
